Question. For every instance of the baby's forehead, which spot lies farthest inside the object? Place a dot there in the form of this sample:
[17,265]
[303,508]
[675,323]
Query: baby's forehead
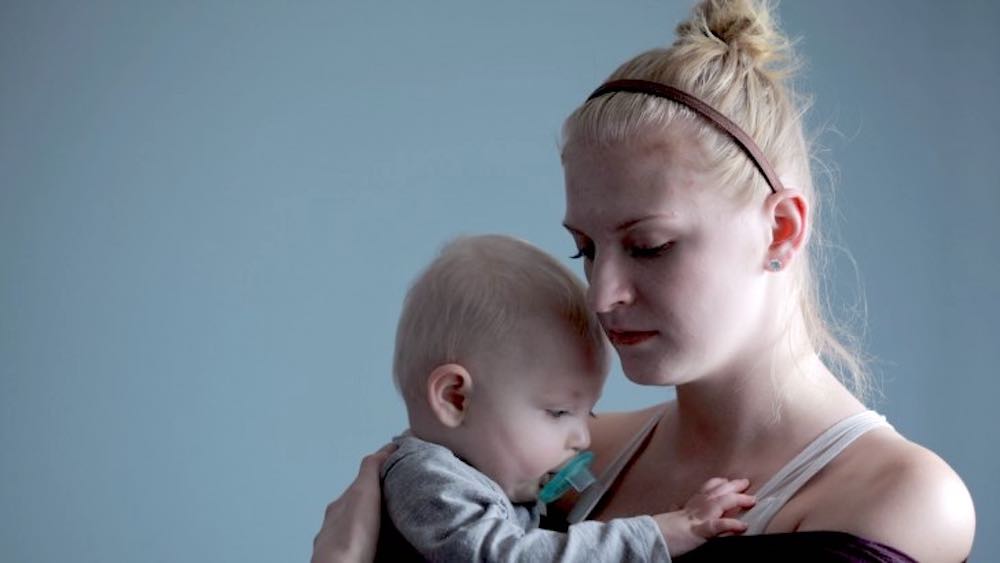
[569,383]
[551,353]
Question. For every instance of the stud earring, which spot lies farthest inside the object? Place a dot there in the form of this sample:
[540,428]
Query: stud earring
[774,265]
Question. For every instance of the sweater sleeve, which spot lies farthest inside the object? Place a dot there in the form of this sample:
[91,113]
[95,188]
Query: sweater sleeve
[448,511]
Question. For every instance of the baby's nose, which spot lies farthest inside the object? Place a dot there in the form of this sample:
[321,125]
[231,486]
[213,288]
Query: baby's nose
[580,438]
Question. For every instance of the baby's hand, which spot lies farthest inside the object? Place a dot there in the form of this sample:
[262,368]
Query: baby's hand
[705,515]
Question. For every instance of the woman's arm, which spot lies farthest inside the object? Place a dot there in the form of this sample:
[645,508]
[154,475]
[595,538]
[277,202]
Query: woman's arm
[350,527]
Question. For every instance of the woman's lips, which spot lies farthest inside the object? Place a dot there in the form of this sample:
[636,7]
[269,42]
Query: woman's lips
[629,337]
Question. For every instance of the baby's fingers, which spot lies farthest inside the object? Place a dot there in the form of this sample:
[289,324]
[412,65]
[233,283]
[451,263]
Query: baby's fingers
[732,501]
[713,483]
[724,486]
[719,507]
[719,526]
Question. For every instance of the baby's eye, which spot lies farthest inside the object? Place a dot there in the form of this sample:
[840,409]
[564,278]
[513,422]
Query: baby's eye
[557,413]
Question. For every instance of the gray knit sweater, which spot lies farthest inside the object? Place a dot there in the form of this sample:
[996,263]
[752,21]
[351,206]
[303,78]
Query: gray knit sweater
[448,511]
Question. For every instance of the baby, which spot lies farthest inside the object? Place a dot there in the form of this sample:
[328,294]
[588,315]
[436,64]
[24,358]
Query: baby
[499,363]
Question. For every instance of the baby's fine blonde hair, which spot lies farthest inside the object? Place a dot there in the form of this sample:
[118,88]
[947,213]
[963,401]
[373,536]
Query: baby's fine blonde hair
[732,55]
[473,300]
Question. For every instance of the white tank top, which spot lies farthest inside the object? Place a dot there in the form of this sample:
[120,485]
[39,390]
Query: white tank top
[773,495]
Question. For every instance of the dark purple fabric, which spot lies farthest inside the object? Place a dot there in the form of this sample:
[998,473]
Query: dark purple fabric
[818,547]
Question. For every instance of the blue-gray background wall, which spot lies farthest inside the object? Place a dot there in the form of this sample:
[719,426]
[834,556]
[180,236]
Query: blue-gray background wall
[210,211]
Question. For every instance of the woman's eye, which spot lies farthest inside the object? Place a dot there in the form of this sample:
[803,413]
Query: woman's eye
[583,252]
[649,251]
[557,413]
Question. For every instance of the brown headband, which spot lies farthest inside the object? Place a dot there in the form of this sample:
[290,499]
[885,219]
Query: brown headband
[738,135]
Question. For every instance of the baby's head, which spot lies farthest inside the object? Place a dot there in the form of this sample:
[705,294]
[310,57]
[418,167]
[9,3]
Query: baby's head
[499,359]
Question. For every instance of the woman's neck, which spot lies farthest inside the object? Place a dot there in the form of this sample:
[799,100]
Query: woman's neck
[760,407]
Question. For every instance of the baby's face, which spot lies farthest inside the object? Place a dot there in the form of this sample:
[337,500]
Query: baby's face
[527,422]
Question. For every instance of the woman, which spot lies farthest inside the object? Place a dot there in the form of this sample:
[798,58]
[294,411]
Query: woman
[690,199]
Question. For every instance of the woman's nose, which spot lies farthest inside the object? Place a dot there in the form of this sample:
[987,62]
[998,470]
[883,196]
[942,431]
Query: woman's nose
[608,287]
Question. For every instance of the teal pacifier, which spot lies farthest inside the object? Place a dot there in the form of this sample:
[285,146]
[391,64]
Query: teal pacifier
[576,474]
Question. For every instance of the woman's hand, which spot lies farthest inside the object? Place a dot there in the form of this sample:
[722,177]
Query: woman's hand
[350,526]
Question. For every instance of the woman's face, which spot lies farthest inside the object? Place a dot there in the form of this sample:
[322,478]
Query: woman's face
[676,268]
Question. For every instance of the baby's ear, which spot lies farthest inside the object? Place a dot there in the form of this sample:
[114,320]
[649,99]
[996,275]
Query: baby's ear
[448,389]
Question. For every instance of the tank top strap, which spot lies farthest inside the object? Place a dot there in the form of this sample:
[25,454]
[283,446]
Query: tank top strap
[773,495]
[590,497]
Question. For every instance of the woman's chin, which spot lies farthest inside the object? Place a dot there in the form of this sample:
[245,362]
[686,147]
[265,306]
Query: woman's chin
[661,365]
[646,375]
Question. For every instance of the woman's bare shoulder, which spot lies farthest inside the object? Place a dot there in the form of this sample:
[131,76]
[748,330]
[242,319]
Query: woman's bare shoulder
[896,492]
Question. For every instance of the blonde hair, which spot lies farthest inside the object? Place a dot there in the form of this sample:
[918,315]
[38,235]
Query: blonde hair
[472,301]
[732,55]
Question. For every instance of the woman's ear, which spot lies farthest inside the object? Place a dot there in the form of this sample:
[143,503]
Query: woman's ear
[448,389]
[789,215]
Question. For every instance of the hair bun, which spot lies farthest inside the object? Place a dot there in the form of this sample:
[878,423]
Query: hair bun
[744,28]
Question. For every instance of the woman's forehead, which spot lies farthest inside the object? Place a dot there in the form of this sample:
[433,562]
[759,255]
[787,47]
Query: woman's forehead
[619,187]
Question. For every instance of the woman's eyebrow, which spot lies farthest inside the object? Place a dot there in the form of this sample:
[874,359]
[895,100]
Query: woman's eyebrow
[670,216]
